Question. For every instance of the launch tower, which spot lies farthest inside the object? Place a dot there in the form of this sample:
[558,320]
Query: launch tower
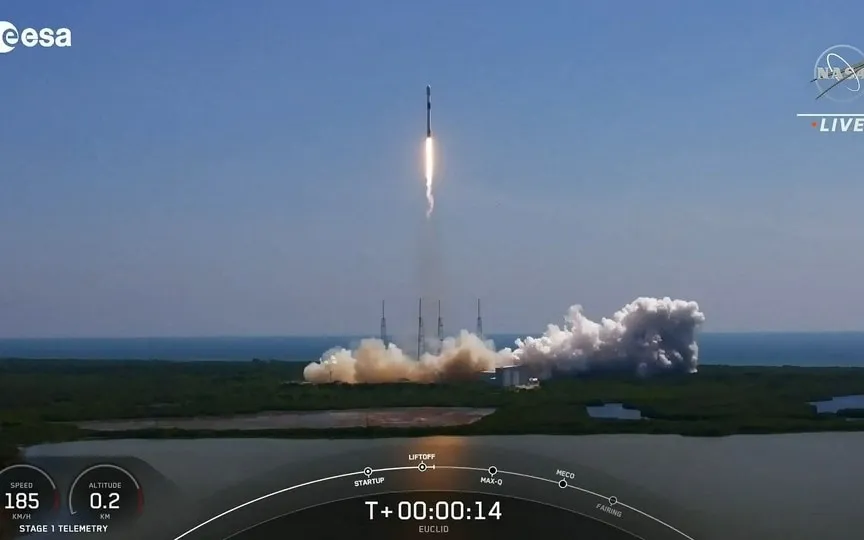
[440,325]
[420,332]
[383,324]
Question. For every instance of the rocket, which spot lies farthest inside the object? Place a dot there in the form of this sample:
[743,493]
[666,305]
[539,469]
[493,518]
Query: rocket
[428,111]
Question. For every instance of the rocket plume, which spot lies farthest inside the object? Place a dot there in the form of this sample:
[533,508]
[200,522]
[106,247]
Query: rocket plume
[648,335]
[430,161]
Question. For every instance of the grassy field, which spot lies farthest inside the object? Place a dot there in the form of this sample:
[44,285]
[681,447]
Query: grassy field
[38,397]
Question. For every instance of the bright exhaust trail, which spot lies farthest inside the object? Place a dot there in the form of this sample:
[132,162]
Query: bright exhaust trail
[430,169]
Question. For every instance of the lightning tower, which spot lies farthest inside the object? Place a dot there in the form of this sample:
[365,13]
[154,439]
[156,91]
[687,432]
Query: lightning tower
[420,331]
[440,325]
[479,321]
[383,324]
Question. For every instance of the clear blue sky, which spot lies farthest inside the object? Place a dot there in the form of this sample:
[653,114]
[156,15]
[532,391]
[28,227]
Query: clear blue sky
[245,168]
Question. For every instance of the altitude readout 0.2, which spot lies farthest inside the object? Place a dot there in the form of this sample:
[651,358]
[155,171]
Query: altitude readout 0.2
[436,510]
[105,494]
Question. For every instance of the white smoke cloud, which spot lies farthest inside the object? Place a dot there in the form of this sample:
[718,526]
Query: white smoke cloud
[646,336]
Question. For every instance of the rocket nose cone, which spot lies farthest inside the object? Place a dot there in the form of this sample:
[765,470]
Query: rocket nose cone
[428,89]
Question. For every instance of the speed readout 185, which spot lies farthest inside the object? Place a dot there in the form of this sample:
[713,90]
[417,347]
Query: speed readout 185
[27,493]
[437,511]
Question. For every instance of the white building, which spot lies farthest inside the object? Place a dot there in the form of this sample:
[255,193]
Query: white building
[509,376]
[513,376]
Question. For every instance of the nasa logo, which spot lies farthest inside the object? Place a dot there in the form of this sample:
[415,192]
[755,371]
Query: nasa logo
[10,37]
[838,73]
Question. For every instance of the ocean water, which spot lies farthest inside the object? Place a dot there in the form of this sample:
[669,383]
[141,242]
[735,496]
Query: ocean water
[767,349]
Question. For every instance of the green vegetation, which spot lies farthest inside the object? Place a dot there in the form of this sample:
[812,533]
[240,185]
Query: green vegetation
[850,413]
[39,397]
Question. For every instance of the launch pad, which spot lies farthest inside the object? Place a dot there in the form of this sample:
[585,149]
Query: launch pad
[422,338]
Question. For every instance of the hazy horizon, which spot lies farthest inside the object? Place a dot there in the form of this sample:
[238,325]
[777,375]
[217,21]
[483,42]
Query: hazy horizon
[371,335]
[231,170]
[746,349]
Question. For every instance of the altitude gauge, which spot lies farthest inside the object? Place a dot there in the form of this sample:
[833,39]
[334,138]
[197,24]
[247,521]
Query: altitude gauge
[106,494]
[28,495]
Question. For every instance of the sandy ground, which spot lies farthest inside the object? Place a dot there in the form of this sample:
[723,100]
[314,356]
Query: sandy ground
[402,417]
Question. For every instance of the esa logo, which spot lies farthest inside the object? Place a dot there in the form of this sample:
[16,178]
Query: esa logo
[11,37]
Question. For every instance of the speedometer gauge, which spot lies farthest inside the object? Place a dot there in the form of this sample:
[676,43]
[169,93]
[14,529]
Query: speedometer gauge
[28,496]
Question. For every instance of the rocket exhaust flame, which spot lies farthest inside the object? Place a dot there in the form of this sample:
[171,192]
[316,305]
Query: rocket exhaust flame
[430,160]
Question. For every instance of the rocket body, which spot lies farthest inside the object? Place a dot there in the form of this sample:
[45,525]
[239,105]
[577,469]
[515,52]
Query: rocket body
[428,111]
